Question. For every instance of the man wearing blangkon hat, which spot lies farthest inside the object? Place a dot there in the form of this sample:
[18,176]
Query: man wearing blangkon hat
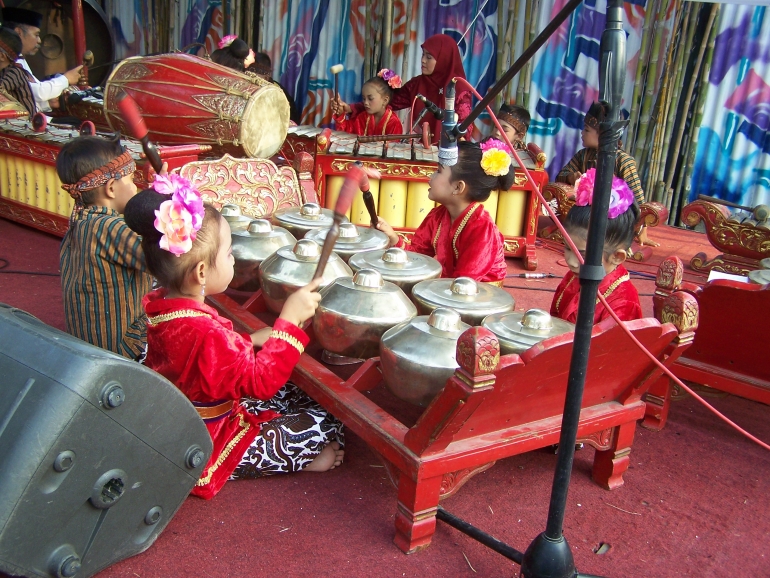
[27,24]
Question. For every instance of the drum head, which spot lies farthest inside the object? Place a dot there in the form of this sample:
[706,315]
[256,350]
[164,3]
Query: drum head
[265,122]
[57,49]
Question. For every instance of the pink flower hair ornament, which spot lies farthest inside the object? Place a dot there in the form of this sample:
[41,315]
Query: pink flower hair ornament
[227,40]
[621,196]
[495,157]
[389,76]
[180,218]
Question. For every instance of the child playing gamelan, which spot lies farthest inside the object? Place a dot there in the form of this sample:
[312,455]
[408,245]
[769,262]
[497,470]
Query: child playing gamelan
[103,273]
[440,63]
[259,423]
[514,120]
[234,53]
[459,233]
[374,116]
[585,158]
[616,286]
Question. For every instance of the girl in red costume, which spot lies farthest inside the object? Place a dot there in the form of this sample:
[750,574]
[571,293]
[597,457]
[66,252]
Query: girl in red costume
[616,286]
[441,62]
[374,115]
[259,423]
[459,233]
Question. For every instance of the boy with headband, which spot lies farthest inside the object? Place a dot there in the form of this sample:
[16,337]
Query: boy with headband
[103,272]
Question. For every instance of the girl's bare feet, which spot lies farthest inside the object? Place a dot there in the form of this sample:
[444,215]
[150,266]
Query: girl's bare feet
[329,458]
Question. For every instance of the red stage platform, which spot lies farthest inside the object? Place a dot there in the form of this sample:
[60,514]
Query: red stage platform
[694,503]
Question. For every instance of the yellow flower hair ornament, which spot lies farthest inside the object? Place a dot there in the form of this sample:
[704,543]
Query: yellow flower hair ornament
[495,158]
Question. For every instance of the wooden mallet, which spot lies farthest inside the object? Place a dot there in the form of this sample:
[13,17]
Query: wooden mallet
[138,129]
[335,70]
[350,187]
[367,193]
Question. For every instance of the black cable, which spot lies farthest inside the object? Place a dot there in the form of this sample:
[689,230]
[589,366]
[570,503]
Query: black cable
[4,264]
[530,288]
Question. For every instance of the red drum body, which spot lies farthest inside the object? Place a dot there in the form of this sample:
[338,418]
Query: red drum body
[186,99]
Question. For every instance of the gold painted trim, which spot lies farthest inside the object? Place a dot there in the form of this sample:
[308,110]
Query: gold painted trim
[435,238]
[615,285]
[290,339]
[225,452]
[182,313]
[460,228]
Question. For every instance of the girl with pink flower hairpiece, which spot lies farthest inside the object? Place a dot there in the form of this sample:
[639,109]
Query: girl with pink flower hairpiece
[458,232]
[616,286]
[260,423]
[374,115]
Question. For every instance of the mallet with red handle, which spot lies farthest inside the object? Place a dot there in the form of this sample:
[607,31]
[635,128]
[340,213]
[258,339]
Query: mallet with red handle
[138,129]
[351,185]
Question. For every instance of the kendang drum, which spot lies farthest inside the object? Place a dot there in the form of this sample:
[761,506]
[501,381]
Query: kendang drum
[187,99]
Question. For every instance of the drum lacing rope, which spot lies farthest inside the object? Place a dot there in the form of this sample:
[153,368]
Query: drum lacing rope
[568,240]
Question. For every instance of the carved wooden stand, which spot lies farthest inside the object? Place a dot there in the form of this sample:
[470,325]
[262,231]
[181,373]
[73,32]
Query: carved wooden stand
[743,246]
[257,186]
[729,347]
[651,215]
[492,408]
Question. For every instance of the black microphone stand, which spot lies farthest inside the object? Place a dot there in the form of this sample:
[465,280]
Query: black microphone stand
[549,555]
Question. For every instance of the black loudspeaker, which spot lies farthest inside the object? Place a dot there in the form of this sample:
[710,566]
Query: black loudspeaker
[97,452]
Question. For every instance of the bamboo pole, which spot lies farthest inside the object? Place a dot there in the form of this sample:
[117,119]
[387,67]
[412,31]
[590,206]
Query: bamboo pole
[641,66]
[501,42]
[367,38]
[661,110]
[407,37]
[650,86]
[520,85]
[683,51]
[386,52]
[698,115]
[513,19]
[530,65]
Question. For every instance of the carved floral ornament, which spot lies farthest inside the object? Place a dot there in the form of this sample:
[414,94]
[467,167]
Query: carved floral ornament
[478,352]
[259,187]
[670,273]
[389,169]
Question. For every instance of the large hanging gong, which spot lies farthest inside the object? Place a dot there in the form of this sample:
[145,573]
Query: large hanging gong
[57,48]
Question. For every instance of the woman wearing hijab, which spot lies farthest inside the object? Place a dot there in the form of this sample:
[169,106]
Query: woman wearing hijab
[441,63]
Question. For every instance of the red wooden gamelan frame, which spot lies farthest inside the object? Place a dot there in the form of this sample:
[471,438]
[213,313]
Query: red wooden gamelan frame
[729,348]
[46,153]
[493,407]
[327,164]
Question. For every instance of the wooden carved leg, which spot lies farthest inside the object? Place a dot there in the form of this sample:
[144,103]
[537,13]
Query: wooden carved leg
[609,465]
[416,515]
[658,400]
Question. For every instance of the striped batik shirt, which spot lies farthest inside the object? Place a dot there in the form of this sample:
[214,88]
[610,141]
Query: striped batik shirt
[104,278]
[15,82]
[625,168]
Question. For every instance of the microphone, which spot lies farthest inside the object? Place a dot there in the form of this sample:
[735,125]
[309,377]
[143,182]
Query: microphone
[438,113]
[447,148]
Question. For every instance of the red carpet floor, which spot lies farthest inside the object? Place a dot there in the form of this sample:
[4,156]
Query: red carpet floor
[695,499]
